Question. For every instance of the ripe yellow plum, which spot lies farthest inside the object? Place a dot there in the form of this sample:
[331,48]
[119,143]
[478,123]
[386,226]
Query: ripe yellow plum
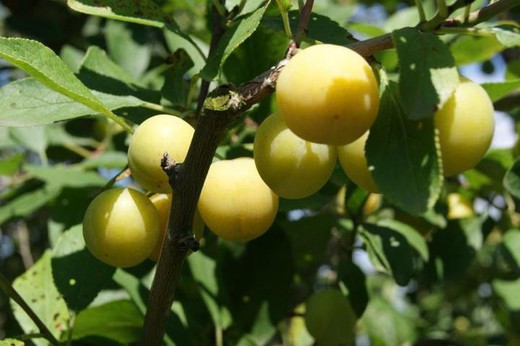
[354,163]
[162,203]
[328,94]
[465,125]
[329,317]
[235,203]
[459,207]
[291,166]
[121,227]
[156,136]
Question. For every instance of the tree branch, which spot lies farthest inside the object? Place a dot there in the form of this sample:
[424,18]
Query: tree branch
[303,24]
[483,14]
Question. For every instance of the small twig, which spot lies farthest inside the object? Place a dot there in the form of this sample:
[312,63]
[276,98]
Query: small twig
[467,11]
[221,9]
[24,247]
[161,108]
[481,15]
[13,294]
[420,9]
[373,45]
[123,173]
[285,19]
[442,9]
[217,33]
[303,24]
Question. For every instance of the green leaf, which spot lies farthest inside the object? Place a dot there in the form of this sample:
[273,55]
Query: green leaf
[196,49]
[389,250]
[498,90]
[11,342]
[261,275]
[404,157]
[406,17]
[72,57]
[232,38]
[387,326]
[508,293]
[96,61]
[354,279]
[139,295]
[512,179]
[428,73]
[508,256]
[100,73]
[78,275]
[9,165]
[507,34]
[365,29]
[119,321]
[309,237]
[321,28]
[40,62]
[511,241]
[27,102]
[33,138]
[248,6]
[262,331]
[25,204]
[256,55]
[468,49]
[127,45]
[414,238]
[454,248]
[109,159]
[36,286]
[176,88]
[513,70]
[135,289]
[203,270]
[144,12]
[65,176]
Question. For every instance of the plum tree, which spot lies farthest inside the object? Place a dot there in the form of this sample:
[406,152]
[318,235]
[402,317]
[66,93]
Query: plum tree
[290,165]
[329,317]
[328,94]
[121,227]
[465,124]
[235,203]
[162,203]
[156,136]
[354,163]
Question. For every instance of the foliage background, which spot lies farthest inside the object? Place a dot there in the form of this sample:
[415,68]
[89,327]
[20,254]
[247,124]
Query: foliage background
[411,279]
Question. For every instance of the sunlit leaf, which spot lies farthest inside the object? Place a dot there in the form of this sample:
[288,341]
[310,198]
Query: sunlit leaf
[36,287]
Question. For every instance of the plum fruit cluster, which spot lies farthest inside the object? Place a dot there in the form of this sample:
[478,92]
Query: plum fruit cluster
[465,126]
[328,98]
[123,227]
